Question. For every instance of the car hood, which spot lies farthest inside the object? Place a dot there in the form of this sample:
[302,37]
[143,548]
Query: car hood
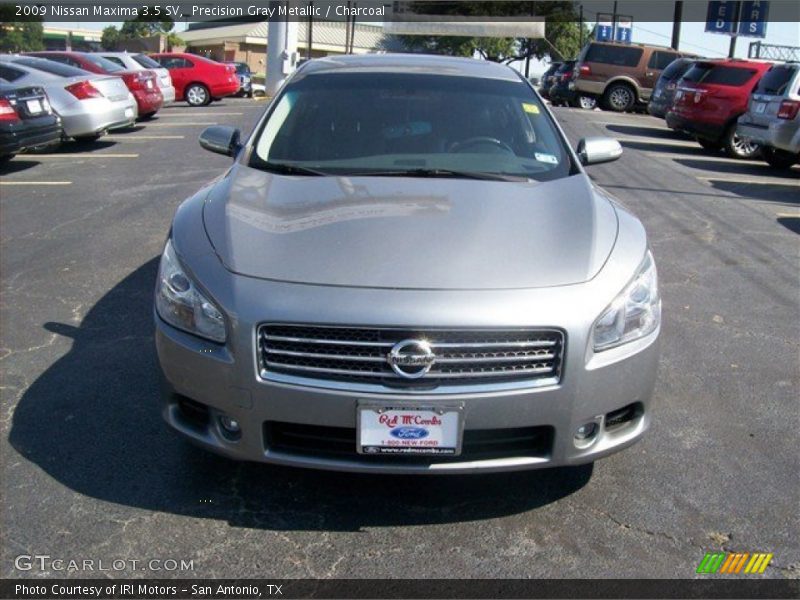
[411,233]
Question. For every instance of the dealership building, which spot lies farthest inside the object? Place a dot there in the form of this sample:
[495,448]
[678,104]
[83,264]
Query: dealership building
[247,42]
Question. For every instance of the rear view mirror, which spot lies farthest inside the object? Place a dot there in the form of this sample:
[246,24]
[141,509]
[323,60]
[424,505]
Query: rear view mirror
[594,150]
[221,139]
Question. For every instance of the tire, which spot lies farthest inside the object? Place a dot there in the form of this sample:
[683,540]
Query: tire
[619,97]
[197,95]
[737,147]
[779,159]
[710,145]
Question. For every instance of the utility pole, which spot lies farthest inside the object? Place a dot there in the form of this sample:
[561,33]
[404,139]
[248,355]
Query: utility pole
[310,31]
[676,24]
[614,23]
[581,25]
[737,13]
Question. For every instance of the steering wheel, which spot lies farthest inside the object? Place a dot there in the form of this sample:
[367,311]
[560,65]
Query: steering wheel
[475,141]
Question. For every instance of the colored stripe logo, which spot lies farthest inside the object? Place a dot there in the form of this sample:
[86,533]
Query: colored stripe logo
[734,562]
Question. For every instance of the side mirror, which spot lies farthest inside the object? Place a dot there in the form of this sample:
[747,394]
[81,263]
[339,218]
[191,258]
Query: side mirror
[594,150]
[221,139]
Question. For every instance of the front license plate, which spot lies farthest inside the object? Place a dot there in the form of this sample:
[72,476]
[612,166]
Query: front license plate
[404,430]
[34,106]
[761,107]
[128,113]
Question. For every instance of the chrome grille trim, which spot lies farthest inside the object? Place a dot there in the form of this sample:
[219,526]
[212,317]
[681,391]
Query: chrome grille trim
[355,358]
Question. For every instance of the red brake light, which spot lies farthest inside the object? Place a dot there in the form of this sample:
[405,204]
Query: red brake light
[788,109]
[7,112]
[83,90]
[585,70]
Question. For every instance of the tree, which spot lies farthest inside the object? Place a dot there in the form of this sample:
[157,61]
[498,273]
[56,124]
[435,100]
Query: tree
[561,29]
[110,38]
[19,36]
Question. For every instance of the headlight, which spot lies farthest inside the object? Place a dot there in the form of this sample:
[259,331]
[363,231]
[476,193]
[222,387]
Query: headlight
[181,304]
[633,314]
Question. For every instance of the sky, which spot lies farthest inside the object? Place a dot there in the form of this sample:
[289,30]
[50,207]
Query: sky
[693,38]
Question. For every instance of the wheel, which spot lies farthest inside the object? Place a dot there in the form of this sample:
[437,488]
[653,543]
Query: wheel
[586,102]
[737,146]
[710,145]
[779,159]
[619,97]
[197,95]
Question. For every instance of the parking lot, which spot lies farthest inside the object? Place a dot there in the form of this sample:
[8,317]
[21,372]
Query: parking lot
[90,471]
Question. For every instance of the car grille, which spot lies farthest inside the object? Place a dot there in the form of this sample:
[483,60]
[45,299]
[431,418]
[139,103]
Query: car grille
[340,442]
[360,355]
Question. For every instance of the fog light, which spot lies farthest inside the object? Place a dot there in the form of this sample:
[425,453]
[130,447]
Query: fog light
[586,431]
[230,427]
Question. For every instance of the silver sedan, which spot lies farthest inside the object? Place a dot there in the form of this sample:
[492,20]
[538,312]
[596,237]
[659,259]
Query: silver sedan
[407,270]
[89,104]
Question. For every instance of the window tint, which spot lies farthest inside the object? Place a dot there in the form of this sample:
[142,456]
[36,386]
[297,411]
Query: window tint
[61,59]
[9,74]
[48,66]
[622,56]
[174,62]
[115,60]
[660,60]
[352,123]
[718,74]
[676,69]
[146,61]
[775,80]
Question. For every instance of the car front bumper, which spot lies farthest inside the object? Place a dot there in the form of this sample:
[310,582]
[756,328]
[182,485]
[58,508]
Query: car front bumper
[225,380]
[780,133]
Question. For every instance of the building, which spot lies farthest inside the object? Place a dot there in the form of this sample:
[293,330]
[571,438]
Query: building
[247,42]
[63,38]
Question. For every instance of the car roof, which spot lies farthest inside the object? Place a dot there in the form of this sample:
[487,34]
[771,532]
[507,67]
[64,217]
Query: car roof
[410,63]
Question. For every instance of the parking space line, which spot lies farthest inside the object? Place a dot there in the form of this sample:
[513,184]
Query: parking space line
[192,115]
[700,155]
[752,180]
[135,137]
[195,124]
[35,182]
[656,142]
[82,155]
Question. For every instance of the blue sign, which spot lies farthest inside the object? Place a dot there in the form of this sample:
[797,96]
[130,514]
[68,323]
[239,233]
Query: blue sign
[604,30]
[753,18]
[624,30]
[721,17]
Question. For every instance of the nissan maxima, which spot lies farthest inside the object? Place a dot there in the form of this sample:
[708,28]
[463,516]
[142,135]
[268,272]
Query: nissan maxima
[406,269]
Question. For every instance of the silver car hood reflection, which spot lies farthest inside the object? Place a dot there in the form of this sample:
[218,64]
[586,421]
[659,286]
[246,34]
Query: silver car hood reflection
[409,233]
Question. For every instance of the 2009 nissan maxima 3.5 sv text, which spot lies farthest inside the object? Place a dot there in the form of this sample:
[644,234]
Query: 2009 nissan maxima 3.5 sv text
[407,269]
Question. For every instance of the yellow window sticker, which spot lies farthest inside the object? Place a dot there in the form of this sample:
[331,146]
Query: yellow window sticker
[530,108]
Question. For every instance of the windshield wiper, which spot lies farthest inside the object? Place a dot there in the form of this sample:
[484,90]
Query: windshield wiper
[287,169]
[439,173]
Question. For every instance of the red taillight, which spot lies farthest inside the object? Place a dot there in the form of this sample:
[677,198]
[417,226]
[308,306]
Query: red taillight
[140,80]
[83,90]
[7,112]
[788,109]
[585,70]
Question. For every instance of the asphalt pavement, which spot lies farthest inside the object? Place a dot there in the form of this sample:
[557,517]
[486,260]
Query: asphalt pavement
[90,472]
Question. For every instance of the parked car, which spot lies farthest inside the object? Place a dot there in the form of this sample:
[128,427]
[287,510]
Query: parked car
[664,92]
[559,90]
[142,62]
[521,333]
[26,120]
[710,98]
[197,79]
[245,79]
[89,105]
[142,84]
[547,79]
[773,116]
[621,75]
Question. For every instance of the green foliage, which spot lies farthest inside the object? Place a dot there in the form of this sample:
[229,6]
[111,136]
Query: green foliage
[144,25]
[19,36]
[561,29]
[110,38]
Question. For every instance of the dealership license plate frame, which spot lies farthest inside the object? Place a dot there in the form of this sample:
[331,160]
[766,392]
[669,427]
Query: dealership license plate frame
[34,106]
[761,108]
[455,409]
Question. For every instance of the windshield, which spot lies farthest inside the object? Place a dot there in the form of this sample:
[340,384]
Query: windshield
[775,81]
[385,124]
[146,61]
[675,69]
[103,63]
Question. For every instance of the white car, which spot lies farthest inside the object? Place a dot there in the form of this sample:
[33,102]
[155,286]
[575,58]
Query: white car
[140,62]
